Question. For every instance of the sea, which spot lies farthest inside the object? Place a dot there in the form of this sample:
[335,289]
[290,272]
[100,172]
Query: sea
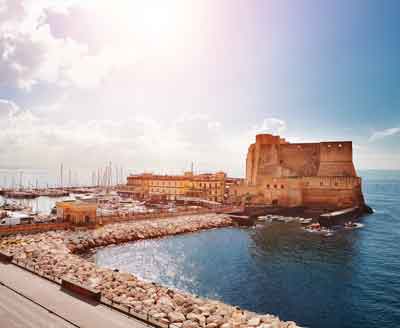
[351,279]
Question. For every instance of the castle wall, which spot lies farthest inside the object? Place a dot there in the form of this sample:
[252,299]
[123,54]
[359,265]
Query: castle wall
[250,164]
[331,192]
[300,159]
[336,159]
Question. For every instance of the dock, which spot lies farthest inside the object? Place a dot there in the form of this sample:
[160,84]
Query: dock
[339,217]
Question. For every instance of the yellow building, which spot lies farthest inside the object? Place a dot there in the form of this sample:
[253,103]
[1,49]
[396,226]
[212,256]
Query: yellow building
[77,212]
[171,187]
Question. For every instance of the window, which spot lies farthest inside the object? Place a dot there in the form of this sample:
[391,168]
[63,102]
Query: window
[282,187]
[275,186]
[268,186]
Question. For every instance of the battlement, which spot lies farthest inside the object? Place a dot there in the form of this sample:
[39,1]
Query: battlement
[273,156]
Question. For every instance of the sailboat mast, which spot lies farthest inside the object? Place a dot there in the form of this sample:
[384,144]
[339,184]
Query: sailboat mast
[61,175]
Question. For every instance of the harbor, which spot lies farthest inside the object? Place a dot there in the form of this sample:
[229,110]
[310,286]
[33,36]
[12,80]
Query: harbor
[278,267]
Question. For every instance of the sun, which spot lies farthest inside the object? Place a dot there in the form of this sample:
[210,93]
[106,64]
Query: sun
[152,22]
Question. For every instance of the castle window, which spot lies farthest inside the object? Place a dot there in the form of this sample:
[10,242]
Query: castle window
[275,186]
[268,186]
[282,187]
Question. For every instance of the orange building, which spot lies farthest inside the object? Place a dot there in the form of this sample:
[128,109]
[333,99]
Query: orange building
[315,175]
[77,212]
[171,187]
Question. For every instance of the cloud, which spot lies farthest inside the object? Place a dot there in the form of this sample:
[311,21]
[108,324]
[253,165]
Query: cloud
[11,10]
[142,143]
[270,125]
[378,135]
[32,51]
[8,108]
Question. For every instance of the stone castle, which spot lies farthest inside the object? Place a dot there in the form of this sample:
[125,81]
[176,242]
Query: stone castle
[311,175]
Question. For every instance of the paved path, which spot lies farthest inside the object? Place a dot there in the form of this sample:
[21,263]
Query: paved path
[27,300]
[18,312]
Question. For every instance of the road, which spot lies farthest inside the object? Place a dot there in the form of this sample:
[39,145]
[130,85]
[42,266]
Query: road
[27,300]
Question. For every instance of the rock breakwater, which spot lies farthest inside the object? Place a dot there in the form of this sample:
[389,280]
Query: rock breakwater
[54,254]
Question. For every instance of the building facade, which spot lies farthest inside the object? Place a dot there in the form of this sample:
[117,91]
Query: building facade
[77,212]
[170,187]
[315,175]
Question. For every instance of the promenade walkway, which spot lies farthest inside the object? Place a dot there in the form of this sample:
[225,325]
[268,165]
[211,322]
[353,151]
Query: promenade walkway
[27,300]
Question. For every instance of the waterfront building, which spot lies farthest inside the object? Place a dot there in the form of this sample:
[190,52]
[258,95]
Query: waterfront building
[312,175]
[209,186]
[77,212]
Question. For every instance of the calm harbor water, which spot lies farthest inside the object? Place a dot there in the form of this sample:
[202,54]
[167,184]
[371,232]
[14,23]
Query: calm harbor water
[41,204]
[349,280]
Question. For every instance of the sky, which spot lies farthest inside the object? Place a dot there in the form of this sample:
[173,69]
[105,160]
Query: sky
[156,85]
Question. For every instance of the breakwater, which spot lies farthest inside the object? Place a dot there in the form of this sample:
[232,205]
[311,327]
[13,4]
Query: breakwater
[54,256]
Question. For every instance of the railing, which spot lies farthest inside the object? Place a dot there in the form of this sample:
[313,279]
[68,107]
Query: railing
[33,227]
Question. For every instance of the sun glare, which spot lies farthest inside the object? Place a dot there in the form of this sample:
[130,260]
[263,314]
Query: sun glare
[158,24]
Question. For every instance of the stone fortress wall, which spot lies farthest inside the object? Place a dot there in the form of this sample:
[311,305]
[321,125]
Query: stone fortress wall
[320,175]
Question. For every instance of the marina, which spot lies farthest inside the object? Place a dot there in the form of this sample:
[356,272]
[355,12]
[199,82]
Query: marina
[280,268]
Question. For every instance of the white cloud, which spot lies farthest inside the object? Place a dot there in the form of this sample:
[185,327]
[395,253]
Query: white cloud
[30,53]
[378,135]
[141,143]
[271,125]
[8,108]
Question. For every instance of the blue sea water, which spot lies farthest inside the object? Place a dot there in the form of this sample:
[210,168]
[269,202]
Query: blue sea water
[351,279]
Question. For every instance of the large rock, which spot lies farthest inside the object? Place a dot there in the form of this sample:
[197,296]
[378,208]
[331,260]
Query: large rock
[176,317]
[189,324]
[216,319]
[254,322]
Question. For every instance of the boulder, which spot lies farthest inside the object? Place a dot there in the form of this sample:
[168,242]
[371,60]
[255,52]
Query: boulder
[254,322]
[176,317]
[189,324]
[216,319]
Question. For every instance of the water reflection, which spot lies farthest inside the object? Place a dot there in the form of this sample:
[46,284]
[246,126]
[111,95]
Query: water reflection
[277,241]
